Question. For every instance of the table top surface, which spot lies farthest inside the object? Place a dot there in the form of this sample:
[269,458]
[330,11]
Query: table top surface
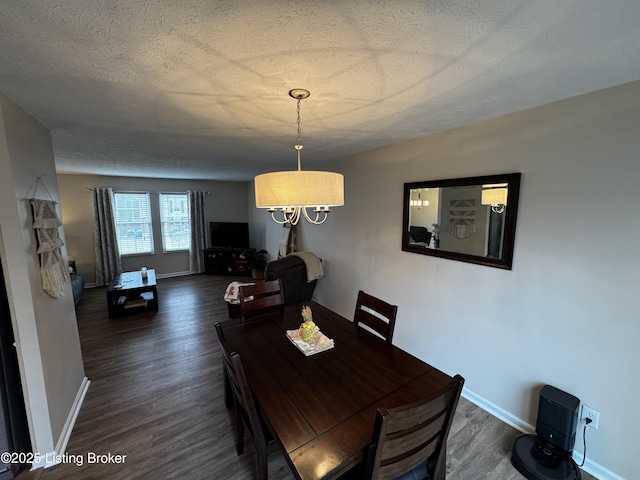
[133,280]
[322,408]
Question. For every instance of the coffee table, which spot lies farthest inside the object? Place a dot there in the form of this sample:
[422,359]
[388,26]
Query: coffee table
[129,293]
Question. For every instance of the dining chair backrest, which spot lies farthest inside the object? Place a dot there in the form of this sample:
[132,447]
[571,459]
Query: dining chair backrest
[376,314]
[413,438]
[260,298]
[246,412]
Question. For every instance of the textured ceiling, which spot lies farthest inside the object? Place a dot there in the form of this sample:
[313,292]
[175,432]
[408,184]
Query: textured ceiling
[198,88]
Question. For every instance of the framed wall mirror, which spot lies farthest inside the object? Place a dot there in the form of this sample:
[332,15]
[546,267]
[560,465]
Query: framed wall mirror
[468,219]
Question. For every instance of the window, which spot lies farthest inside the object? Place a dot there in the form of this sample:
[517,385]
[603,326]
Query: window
[133,223]
[174,216]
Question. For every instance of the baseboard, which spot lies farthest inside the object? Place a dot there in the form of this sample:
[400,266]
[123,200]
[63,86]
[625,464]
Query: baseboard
[63,440]
[173,274]
[498,412]
[57,456]
[595,469]
[591,467]
[160,275]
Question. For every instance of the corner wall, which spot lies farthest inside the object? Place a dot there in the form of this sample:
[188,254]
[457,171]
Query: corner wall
[45,329]
[566,315]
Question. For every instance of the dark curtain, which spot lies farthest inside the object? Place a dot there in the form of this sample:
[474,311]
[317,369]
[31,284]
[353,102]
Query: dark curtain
[494,241]
[108,260]
[197,218]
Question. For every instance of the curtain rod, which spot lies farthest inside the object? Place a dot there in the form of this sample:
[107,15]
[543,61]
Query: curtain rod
[87,189]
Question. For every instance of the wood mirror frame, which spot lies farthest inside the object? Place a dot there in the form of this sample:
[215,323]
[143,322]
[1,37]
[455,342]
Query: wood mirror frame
[465,228]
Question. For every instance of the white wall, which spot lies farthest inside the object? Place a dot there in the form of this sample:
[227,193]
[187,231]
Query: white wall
[45,329]
[566,315]
[226,202]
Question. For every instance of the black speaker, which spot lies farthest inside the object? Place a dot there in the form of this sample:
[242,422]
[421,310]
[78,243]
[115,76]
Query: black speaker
[557,417]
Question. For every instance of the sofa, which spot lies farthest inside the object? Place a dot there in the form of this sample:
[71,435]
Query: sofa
[293,272]
[296,288]
[419,235]
[77,285]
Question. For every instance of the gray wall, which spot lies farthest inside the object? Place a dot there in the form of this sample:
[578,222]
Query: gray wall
[46,331]
[227,201]
[566,315]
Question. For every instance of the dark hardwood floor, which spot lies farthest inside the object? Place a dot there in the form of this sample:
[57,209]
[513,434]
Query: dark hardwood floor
[156,397]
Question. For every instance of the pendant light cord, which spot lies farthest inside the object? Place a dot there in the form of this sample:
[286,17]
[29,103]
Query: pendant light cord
[298,145]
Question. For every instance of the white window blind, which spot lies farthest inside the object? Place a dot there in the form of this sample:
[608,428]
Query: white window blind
[174,216]
[133,223]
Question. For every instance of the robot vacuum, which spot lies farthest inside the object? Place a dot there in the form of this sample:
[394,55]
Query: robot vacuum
[537,460]
[547,454]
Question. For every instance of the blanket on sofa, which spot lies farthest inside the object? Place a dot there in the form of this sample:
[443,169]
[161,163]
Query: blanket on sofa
[313,264]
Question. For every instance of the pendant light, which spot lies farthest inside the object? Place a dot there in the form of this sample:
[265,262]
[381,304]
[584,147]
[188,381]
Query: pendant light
[293,192]
[496,196]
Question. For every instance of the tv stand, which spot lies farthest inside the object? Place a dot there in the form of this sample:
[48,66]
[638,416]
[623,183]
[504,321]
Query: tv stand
[225,261]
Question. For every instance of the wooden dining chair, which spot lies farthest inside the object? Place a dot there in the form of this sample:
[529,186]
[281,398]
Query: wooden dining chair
[246,414]
[226,381]
[260,298]
[376,314]
[409,442]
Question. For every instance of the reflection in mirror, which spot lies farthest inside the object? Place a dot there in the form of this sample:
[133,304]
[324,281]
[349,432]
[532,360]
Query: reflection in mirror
[468,219]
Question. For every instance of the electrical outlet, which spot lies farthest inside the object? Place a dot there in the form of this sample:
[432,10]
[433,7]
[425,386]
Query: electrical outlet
[594,415]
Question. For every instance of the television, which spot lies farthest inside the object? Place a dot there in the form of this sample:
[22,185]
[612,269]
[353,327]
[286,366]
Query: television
[229,234]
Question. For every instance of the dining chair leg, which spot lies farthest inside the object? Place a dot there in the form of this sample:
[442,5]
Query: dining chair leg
[441,471]
[239,432]
[228,392]
[262,463]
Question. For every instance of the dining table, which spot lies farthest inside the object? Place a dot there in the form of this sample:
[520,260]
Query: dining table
[321,408]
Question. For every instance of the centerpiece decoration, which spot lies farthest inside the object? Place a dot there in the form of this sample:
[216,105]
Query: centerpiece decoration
[307,328]
[308,337]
